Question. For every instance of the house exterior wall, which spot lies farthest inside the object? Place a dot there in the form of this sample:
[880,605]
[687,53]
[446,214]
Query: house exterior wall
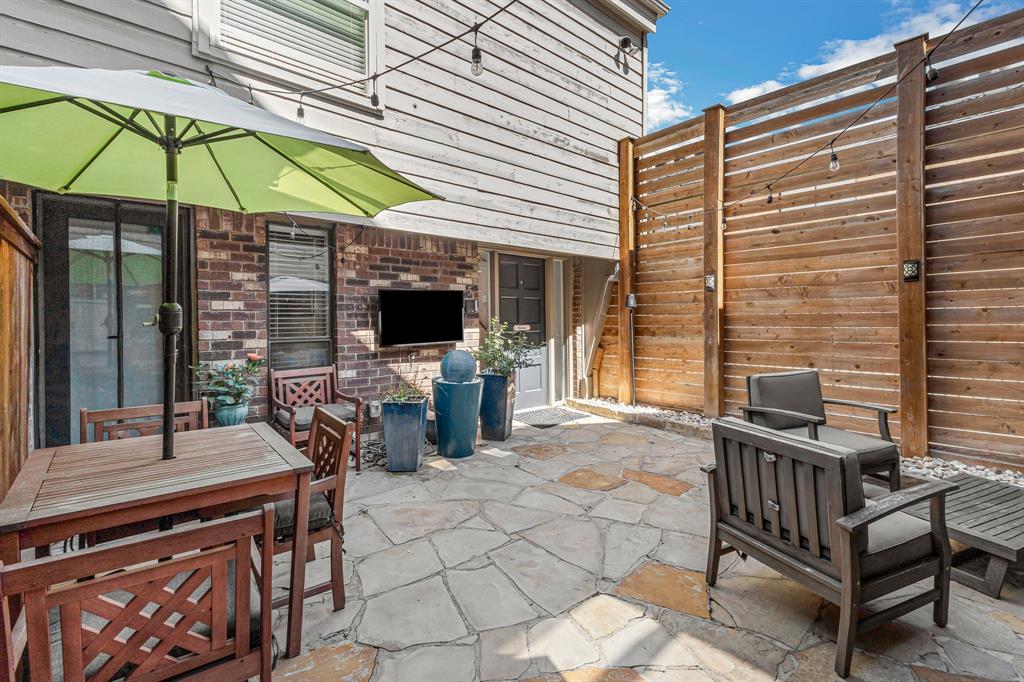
[525,154]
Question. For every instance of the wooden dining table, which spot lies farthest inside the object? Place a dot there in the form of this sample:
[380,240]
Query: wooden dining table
[69,490]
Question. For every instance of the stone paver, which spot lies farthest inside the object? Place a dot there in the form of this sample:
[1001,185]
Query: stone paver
[415,614]
[668,586]
[551,583]
[591,479]
[488,599]
[559,644]
[576,554]
[398,566]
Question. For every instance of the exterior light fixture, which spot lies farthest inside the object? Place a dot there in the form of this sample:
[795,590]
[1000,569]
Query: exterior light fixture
[930,73]
[627,46]
[477,55]
[833,161]
[911,271]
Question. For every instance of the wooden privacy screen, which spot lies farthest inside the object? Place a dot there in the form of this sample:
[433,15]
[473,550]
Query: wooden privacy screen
[934,172]
[18,247]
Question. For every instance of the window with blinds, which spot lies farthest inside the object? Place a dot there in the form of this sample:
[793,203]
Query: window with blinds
[299,301]
[332,31]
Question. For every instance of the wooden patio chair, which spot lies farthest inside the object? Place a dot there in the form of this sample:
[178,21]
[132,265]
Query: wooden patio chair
[192,603]
[792,402]
[330,440]
[295,393]
[143,420]
[798,506]
[133,422]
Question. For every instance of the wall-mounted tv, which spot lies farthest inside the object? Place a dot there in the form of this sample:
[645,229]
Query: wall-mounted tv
[416,317]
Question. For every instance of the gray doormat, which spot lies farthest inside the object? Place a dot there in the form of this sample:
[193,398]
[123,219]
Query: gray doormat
[546,417]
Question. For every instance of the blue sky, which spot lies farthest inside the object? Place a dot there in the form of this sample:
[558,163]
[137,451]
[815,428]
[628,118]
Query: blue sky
[710,51]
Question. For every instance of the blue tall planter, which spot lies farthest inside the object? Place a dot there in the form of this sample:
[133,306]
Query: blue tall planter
[497,406]
[456,408]
[405,429]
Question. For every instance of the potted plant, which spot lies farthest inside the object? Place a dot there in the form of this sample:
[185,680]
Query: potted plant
[405,427]
[500,354]
[229,387]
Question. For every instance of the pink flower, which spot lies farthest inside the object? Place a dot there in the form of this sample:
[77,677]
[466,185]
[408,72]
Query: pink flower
[253,357]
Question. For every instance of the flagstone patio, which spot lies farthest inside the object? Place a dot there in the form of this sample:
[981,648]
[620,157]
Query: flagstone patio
[577,553]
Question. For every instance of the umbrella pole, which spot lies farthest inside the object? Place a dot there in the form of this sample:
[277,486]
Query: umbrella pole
[170,311]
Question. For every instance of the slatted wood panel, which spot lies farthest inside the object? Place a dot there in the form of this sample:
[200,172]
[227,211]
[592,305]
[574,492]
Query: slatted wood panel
[669,333]
[975,254]
[18,249]
[811,280]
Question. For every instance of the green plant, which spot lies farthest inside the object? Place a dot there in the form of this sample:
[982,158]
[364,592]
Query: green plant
[407,392]
[503,351]
[230,384]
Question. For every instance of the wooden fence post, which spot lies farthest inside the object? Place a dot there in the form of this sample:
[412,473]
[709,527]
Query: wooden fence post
[910,217]
[627,259]
[714,181]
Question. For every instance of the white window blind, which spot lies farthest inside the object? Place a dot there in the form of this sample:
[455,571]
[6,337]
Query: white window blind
[299,300]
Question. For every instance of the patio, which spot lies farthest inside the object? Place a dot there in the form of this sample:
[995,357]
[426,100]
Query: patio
[577,553]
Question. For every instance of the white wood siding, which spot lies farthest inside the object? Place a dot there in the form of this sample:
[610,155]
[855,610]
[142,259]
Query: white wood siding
[525,155]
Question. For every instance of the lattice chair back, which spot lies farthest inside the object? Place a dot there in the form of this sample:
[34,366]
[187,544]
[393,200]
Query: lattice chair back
[152,607]
[330,440]
[786,490]
[143,420]
[304,387]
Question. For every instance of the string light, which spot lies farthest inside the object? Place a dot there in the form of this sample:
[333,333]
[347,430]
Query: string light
[374,98]
[477,55]
[770,197]
[931,73]
[833,161]
[300,113]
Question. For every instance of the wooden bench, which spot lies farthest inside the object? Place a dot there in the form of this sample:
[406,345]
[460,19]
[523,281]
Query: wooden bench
[988,517]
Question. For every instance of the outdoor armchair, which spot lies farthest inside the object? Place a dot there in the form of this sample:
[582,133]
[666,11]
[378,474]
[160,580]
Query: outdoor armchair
[792,402]
[798,506]
[295,393]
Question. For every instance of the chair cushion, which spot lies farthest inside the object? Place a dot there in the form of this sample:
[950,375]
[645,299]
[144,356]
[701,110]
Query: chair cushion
[794,391]
[894,541]
[284,515]
[304,415]
[873,453]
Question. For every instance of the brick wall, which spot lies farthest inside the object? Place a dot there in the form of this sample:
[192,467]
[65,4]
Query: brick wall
[231,290]
[578,348]
[368,259]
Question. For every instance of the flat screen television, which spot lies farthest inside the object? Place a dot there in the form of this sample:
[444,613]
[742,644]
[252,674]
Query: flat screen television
[416,317]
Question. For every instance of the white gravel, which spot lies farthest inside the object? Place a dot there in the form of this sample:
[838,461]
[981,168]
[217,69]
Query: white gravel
[669,415]
[943,468]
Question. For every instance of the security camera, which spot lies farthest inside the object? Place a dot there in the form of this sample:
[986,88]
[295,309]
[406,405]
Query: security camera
[627,46]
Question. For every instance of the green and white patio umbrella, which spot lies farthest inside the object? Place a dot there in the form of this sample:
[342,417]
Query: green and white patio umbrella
[151,135]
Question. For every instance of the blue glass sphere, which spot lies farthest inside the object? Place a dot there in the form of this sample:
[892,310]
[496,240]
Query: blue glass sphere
[458,367]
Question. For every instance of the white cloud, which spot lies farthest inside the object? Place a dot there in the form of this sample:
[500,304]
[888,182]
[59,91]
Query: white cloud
[664,98]
[752,91]
[902,22]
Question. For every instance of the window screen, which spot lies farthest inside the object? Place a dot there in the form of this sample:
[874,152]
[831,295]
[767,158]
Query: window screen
[299,298]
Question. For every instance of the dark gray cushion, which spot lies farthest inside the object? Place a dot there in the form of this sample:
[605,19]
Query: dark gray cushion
[284,515]
[794,391]
[304,415]
[873,453]
[895,541]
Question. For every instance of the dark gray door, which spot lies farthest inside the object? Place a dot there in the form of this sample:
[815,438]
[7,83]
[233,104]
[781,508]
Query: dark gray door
[521,305]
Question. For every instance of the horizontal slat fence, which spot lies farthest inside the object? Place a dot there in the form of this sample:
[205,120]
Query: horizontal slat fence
[813,278]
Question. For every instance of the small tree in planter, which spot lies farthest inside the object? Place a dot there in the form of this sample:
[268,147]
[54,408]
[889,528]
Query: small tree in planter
[500,354]
[405,426]
[229,387]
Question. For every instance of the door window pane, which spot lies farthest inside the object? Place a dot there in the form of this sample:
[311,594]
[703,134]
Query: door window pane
[141,294]
[92,307]
[299,297]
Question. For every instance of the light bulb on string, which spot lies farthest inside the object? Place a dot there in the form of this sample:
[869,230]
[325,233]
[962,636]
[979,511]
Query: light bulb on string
[300,113]
[771,198]
[930,73]
[477,55]
[833,161]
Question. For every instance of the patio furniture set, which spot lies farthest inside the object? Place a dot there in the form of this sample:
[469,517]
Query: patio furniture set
[788,489]
[216,574]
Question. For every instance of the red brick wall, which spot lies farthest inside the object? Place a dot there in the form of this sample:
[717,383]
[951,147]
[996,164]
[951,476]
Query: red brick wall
[231,290]
[578,348]
[368,259]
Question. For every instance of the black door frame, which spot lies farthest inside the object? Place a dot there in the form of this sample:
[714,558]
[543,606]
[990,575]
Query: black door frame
[48,204]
